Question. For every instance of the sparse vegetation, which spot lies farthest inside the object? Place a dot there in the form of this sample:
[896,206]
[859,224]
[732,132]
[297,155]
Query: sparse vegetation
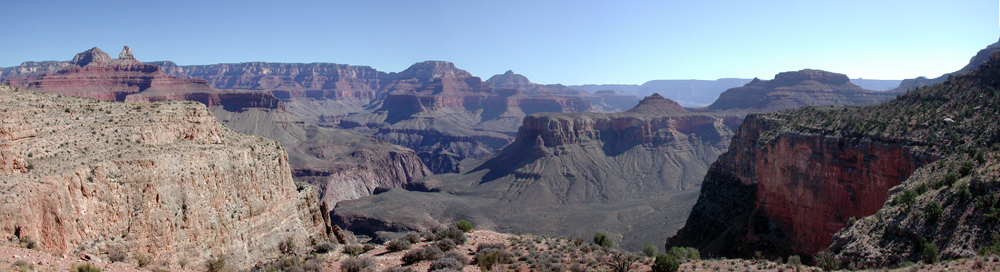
[398,245]
[116,254]
[215,264]
[930,253]
[86,267]
[932,212]
[826,261]
[602,240]
[650,250]
[324,247]
[666,263]
[287,246]
[354,250]
[463,225]
[358,264]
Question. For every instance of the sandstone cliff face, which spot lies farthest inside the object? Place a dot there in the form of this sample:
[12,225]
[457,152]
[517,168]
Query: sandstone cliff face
[787,193]
[163,181]
[791,90]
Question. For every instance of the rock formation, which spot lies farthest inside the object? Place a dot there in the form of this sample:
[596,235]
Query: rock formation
[442,112]
[568,174]
[881,182]
[161,181]
[791,90]
[343,165]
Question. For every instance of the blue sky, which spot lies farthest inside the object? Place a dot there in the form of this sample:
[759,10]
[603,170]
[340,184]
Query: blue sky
[569,42]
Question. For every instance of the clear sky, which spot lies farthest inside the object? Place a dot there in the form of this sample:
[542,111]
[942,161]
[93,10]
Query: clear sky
[569,42]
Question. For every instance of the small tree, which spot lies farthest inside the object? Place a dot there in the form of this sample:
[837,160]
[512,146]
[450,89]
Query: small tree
[602,240]
[930,254]
[933,212]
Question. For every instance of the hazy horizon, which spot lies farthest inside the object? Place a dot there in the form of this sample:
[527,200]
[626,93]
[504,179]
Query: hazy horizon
[566,42]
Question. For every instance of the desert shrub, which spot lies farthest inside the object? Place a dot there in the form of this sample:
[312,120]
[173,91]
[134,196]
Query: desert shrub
[795,261]
[622,261]
[851,221]
[85,267]
[453,233]
[602,240]
[398,245]
[907,197]
[446,263]
[412,237]
[456,256]
[27,242]
[287,246]
[966,168]
[399,269]
[685,254]
[324,247]
[116,254]
[215,264]
[354,250]
[962,192]
[445,244]
[358,264]
[826,261]
[489,255]
[24,266]
[921,189]
[992,249]
[367,247]
[650,250]
[421,254]
[930,253]
[666,263]
[932,212]
[463,225]
[313,265]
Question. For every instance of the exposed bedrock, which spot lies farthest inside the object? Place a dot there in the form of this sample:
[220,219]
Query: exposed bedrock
[785,193]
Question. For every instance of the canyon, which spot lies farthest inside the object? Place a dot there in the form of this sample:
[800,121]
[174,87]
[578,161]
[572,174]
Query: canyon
[341,164]
[443,113]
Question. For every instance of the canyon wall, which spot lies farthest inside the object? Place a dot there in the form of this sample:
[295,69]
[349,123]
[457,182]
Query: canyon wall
[161,181]
[786,193]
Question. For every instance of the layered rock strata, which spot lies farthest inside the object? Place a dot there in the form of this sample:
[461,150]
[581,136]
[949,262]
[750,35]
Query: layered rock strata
[163,182]
[791,90]
[621,173]
[784,194]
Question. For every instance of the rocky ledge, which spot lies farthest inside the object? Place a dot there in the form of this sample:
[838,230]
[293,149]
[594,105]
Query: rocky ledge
[163,182]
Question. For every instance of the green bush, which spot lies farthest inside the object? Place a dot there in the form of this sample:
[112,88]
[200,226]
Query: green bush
[966,168]
[932,212]
[463,225]
[685,254]
[992,249]
[602,240]
[454,233]
[907,197]
[930,254]
[650,250]
[666,263]
[962,192]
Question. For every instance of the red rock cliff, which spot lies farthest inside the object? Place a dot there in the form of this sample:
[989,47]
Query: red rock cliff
[784,193]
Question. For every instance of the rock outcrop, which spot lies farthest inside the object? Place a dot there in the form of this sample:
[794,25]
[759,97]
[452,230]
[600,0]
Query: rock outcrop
[874,186]
[442,112]
[343,165]
[784,194]
[791,90]
[581,172]
[163,182]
